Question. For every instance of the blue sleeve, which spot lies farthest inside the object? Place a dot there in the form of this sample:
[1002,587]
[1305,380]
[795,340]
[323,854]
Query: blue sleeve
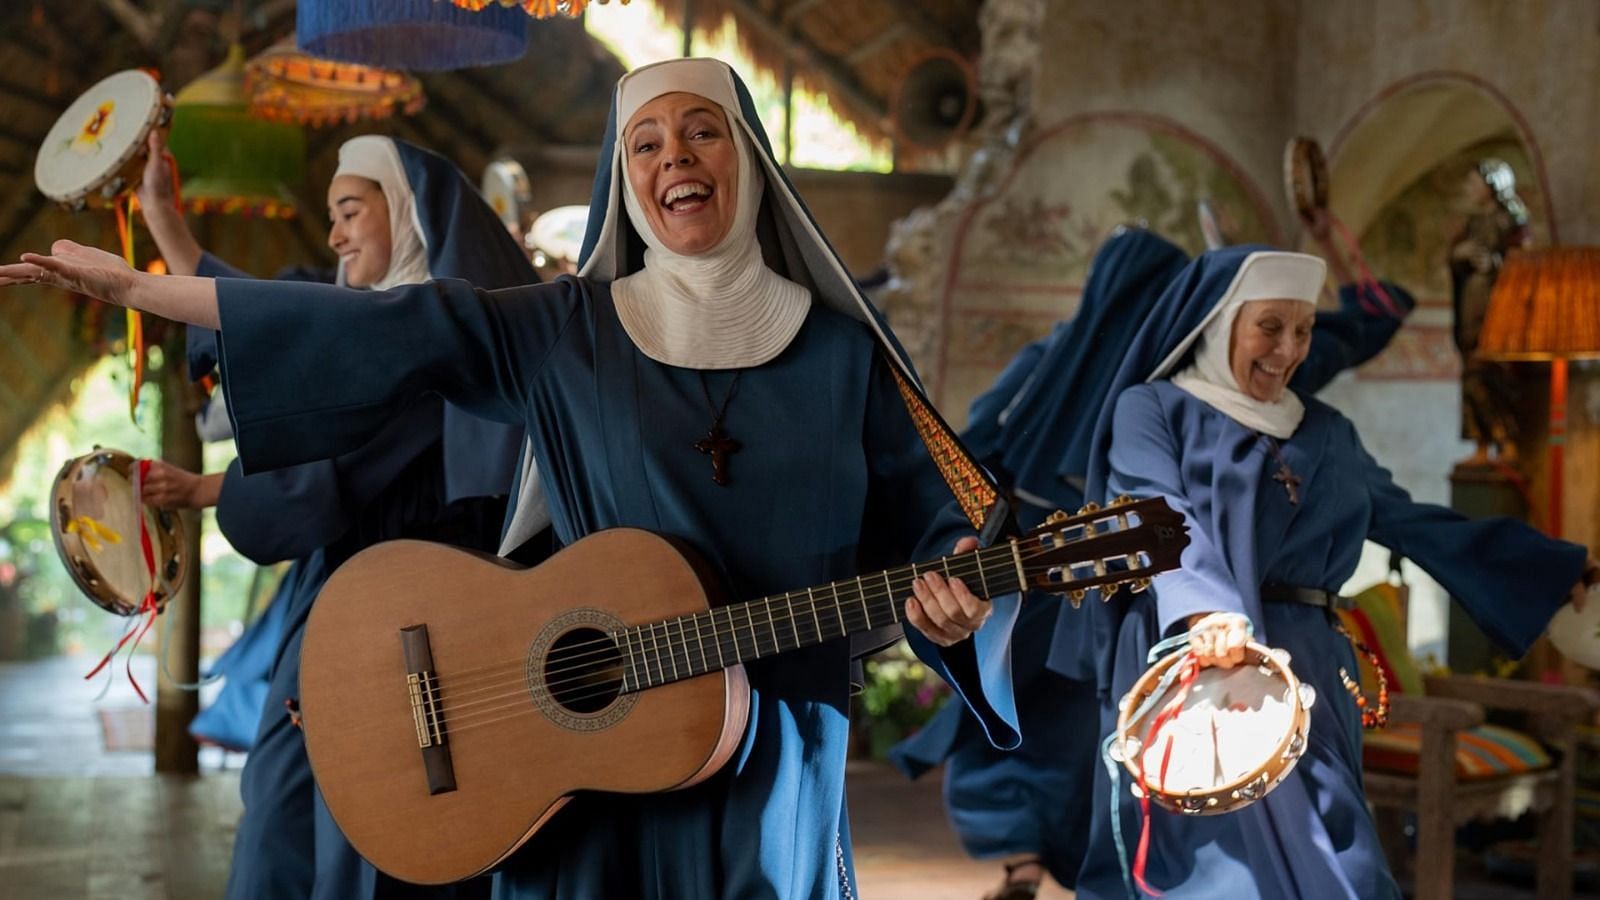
[202,349]
[982,434]
[1350,336]
[1144,462]
[289,512]
[313,371]
[1510,578]
[911,515]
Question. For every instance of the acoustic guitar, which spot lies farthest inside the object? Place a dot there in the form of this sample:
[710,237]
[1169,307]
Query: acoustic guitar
[453,702]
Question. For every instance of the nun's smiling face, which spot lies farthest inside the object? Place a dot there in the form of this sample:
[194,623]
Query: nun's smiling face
[684,168]
[359,229]
[1270,340]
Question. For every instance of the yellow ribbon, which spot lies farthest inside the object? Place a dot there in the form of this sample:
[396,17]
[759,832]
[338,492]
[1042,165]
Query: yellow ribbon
[87,528]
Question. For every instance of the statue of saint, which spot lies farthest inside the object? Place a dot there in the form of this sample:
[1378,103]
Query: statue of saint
[1496,222]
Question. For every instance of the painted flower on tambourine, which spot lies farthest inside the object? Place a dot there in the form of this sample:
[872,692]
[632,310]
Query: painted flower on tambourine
[96,126]
[539,9]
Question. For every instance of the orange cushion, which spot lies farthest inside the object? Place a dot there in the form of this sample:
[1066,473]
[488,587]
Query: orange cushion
[1487,751]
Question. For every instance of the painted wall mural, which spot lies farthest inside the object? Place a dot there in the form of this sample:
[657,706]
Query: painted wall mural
[1020,257]
[1409,242]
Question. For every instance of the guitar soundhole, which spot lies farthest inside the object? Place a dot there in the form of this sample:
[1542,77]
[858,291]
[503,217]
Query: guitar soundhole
[583,670]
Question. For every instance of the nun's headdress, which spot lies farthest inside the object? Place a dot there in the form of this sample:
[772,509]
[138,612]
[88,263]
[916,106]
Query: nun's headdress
[791,243]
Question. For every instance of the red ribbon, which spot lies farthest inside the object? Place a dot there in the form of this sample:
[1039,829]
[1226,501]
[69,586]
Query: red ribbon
[148,607]
[1369,281]
[1186,677]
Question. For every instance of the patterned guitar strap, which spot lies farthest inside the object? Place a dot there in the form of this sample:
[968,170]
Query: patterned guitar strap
[981,500]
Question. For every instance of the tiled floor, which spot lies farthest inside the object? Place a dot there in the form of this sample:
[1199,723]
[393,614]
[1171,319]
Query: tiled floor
[78,823]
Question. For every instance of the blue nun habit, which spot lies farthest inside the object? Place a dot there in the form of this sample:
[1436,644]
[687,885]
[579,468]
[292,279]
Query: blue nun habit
[1034,428]
[432,472]
[832,479]
[1312,837]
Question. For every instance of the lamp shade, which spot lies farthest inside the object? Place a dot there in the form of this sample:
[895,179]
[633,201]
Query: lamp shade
[539,9]
[1545,305]
[232,162]
[410,34]
[286,84]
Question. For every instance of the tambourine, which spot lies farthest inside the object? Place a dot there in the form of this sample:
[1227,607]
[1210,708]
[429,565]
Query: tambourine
[1577,634]
[95,153]
[509,193]
[558,234]
[95,519]
[1305,176]
[1222,738]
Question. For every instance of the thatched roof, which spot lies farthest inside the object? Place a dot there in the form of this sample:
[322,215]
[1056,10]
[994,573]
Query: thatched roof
[855,53]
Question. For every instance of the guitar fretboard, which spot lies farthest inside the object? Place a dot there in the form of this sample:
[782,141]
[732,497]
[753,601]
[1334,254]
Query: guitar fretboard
[670,650]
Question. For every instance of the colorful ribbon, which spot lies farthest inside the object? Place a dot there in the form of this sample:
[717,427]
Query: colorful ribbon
[149,606]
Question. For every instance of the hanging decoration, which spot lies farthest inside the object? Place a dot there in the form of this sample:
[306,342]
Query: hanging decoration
[234,163]
[539,9]
[424,35]
[286,84]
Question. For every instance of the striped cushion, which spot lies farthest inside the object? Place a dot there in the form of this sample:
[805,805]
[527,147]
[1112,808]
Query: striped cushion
[1376,622]
[1487,751]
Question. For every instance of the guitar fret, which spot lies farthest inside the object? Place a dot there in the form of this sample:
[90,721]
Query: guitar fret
[655,648]
[716,641]
[699,639]
[627,647]
[894,604]
[838,606]
[750,626]
[772,626]
[978,558]
[672,653]
[815,619]
[861,591]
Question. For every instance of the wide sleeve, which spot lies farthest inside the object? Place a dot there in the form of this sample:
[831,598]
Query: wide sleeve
[1510,578]
[1145,461]
[202,342]
[1351,335]
[912,516]
[314,371]
[289,512]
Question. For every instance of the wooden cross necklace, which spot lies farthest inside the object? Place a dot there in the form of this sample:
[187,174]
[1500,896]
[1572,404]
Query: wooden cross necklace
[1284,476]
[716,443]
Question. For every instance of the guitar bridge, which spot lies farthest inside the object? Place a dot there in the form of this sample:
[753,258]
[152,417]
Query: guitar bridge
[427,714]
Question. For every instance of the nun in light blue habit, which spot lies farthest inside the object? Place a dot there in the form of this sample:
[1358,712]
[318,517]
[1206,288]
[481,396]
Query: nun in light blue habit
[1034,429]
[1279,495]
[709,310]
[432,471]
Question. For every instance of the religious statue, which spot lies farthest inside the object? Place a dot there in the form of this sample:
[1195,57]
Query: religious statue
[1496,222]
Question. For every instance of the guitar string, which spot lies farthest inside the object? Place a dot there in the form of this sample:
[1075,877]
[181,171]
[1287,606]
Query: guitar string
[801,603]
[594,683]
[587,665]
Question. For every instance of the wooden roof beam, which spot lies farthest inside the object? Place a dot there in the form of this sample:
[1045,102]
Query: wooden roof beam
[913,15]
[804,53]
[877,43]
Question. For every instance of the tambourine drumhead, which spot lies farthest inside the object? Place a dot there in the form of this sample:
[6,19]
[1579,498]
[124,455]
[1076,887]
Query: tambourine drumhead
[1577,634]
[508,193]
[95,519]
[1305,176]
[1236,735]
[84,154]
[559,232]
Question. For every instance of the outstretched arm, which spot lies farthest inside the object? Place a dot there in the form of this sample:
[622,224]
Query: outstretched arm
[107,277]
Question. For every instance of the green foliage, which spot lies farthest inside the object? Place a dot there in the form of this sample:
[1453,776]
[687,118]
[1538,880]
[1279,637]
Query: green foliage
[899,697]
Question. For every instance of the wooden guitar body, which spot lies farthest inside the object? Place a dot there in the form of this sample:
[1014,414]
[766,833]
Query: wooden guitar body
[520,739]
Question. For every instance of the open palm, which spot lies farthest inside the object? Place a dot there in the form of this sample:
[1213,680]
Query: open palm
[83,270]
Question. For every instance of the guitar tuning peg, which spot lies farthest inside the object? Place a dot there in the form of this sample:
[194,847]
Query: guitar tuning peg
[1138,585]
[1108,590]
[1089,507]
[1077,598]
[1056,518]
[1122,500]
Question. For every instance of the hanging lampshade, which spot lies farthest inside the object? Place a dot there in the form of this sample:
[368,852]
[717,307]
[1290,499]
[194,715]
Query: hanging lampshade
[539,9]
[286,84]
[409,34]
[232,162]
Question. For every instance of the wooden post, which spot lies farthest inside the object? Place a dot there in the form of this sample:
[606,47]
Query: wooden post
[175,750]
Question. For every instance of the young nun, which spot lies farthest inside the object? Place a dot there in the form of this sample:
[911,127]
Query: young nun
[399,215]
[1034,429]
[1279,495]
[709,308]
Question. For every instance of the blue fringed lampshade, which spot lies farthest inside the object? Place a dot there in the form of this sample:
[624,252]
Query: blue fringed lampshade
[424,35]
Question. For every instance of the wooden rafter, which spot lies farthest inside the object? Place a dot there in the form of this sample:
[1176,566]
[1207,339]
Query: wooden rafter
[805,54]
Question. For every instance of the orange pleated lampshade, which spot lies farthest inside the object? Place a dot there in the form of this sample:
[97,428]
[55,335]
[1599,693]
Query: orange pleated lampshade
[1545,305]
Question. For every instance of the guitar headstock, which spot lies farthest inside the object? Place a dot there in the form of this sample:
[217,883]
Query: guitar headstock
[1126,542]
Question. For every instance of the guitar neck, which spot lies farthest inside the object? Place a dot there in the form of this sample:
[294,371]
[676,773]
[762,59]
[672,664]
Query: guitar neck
[669,650]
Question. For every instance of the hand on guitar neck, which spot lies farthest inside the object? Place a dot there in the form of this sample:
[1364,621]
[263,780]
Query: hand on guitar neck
[944,609]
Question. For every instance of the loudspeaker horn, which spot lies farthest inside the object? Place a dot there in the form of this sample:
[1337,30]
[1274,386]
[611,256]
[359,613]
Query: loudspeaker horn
[935,103]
